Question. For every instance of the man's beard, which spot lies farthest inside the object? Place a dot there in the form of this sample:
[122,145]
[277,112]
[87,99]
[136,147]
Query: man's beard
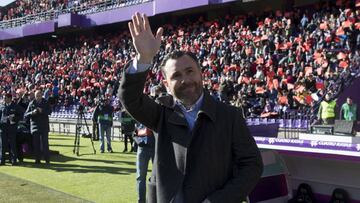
[188,97]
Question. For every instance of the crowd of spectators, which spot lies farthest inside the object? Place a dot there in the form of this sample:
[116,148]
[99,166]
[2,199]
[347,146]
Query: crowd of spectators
[22,8]
[264,63]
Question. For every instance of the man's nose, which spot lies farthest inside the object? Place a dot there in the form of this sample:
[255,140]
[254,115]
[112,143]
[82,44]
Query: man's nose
[185,80]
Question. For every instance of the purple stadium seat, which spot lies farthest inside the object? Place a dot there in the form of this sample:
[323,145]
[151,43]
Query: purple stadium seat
[304,124]
[263,121]
[288,123]
[281,123]
[249,121]
[272,120]
[256,121]
[297,123]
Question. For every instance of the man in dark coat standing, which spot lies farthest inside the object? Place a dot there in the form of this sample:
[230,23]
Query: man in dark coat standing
[204,151]
[10,114]
[38,111]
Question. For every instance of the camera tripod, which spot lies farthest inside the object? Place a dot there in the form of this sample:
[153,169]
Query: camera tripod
[79,125]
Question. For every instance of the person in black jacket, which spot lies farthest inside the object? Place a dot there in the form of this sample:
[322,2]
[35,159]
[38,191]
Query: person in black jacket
[10,114]
[38,111]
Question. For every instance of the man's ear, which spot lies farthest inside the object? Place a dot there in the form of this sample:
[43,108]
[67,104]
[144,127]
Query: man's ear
[166,84]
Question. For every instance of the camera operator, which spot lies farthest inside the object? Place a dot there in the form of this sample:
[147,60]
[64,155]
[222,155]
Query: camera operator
[38,111]
[103,114]
[10,114]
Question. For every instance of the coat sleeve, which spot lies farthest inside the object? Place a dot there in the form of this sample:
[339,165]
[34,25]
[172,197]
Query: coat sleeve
[139,105]
[19,113]
[47,108]
[28,112]
[247,165]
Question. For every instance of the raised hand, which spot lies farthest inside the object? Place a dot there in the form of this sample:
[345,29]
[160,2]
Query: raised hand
[144,41]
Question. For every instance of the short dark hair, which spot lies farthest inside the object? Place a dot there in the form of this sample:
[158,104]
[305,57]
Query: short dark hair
[178,54]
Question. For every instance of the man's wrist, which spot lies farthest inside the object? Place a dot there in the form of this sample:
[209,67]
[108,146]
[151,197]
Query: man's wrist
[143,59]
[137,67]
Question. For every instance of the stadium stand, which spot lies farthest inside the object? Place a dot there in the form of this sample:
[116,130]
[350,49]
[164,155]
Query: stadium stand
[276,65]
[26,12]
[268,64]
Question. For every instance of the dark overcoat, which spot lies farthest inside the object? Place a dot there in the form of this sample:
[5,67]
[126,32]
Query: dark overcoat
[39,122]
[218,161]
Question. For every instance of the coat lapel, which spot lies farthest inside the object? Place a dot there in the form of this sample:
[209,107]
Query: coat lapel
[208,107]
[181,136]
[178,118]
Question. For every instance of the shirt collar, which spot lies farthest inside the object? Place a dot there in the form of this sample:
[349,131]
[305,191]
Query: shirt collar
[194,107]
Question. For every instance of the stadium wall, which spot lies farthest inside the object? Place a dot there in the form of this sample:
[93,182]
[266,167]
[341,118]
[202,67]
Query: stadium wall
[102,18]
[256,6]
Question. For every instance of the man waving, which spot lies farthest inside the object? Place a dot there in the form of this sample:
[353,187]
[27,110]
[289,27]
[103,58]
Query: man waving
[204,151]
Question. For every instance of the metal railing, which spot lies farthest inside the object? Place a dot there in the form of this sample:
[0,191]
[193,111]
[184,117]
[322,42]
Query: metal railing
[68,127]
[79,9]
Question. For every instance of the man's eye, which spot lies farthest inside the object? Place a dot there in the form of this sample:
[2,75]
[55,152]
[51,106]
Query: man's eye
[175,76]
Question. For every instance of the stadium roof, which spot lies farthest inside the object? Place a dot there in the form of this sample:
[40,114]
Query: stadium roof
[5,2]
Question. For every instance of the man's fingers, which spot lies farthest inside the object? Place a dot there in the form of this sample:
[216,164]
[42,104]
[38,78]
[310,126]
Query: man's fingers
[144,41]
[146,23]
[159,33]
[139,21]
[131,28]
[135,26]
